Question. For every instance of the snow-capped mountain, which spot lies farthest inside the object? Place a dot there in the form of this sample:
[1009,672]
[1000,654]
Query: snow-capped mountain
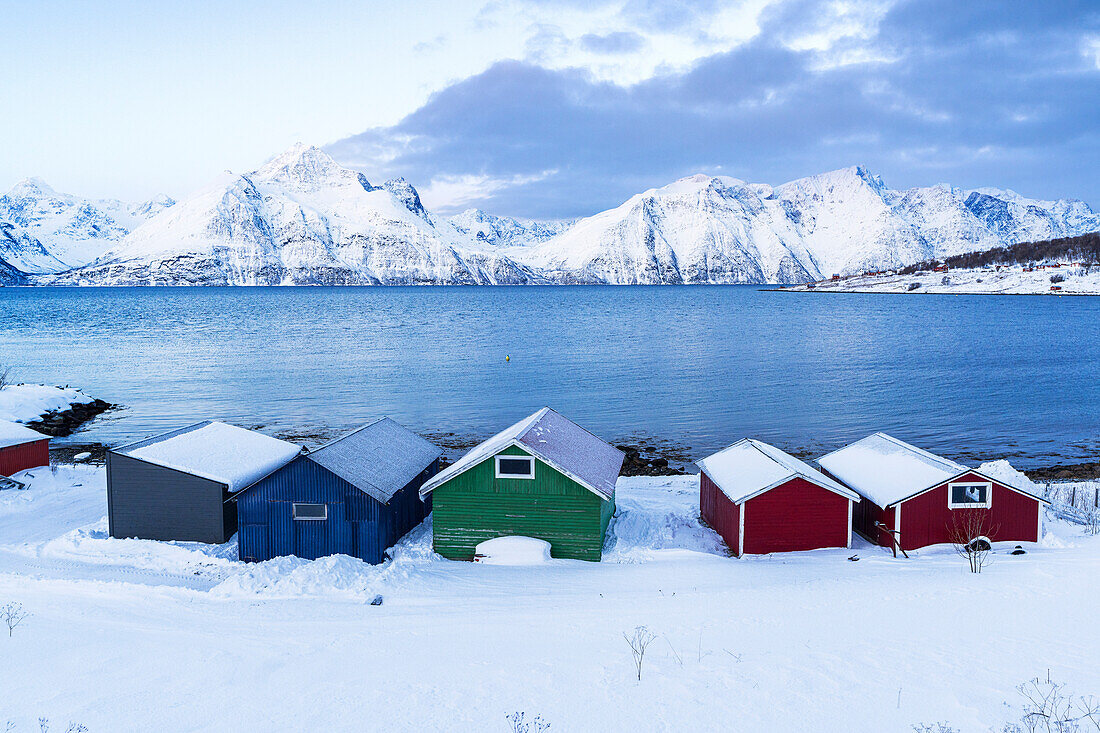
[304,219]
[506,231]
[299,219]
[706,229]
[69,230]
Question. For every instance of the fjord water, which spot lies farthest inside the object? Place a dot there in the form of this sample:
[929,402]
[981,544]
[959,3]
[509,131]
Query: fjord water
[974,377]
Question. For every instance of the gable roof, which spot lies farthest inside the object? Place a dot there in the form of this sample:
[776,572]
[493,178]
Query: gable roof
[12,433]
[751,467]
[216,451]
[887,470]
[379,459]
[559,442]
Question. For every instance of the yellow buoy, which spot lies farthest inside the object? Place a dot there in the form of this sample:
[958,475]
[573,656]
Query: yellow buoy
[507,358]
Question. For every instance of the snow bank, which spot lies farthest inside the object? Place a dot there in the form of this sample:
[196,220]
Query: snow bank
[513,551]
[1003,471]
[23,403]
[654,514]
[92,544]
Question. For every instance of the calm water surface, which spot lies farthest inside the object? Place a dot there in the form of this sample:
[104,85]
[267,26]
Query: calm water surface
[969,376]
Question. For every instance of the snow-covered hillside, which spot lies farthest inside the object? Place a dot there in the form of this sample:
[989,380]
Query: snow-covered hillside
[42,230]
[129,635]
[299,219]
[304,219]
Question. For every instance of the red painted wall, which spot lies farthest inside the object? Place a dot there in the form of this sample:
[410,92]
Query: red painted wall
[796,515]
[16,458]
[720,514]
[926,520]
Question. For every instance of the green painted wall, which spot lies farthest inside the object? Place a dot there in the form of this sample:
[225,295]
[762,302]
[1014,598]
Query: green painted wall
[476,506]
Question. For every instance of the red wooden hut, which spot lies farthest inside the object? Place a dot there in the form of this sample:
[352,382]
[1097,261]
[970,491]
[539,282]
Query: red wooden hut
[763,500]
[917,498]
[21,448]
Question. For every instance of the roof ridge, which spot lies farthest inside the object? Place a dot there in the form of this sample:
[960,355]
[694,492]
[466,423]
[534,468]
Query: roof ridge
[920,451]
[572,422]
[533,419]
[349,434]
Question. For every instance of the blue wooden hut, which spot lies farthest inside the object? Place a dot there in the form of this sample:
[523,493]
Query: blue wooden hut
[355,496]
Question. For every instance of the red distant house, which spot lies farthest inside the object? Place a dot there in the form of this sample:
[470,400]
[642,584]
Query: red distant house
[763,500]
[922,499]
[21,448]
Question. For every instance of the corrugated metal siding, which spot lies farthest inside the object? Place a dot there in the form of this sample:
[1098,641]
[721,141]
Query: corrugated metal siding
[927,520]
[357,524]
[474,506]
[718,512]
[157,503]
[16,458]
[796,515]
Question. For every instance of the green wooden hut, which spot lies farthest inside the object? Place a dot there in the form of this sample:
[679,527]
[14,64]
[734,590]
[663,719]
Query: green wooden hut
[544,477]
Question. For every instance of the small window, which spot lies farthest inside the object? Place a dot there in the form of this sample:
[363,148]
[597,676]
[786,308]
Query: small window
[515,467]
[969,495]
[311,512]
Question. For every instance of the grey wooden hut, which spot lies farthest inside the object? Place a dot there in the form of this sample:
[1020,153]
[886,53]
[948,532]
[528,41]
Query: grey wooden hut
[176,486]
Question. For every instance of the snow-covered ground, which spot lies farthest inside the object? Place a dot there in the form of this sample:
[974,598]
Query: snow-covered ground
[139,635]
[27,402]
[1008,280]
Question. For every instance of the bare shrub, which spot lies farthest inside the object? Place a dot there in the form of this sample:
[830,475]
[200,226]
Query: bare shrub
[1059,278]
[5,376]
[970,533]
[639,641]
[12,614]
[517,724]
[1047,708]
[941,727]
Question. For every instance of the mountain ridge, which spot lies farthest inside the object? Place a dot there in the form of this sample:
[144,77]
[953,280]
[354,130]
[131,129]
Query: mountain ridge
[302,218]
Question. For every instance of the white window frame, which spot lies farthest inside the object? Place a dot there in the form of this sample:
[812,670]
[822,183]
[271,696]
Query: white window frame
[987,504]
[294,511]
[530,460]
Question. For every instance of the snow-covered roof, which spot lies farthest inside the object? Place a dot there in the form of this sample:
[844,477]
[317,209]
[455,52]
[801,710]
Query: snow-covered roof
[15,434]
[559,442]
[887,470]
[750,467]
[224,453]
[379,458]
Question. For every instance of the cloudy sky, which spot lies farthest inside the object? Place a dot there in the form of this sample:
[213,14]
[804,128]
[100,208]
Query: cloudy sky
[548,108]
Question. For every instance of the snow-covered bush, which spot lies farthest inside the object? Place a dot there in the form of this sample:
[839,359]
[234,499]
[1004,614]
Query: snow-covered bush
[1057,278]
[914,286]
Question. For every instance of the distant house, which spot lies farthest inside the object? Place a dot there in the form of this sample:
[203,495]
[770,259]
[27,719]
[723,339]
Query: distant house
[544,477]
[354,496]
[21,448]
[176,486]
[922,499]
[762,500]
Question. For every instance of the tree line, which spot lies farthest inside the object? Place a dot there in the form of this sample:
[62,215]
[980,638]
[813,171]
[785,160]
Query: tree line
[1084,248]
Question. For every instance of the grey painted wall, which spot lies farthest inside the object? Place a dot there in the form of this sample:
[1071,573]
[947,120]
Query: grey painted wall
[157,503]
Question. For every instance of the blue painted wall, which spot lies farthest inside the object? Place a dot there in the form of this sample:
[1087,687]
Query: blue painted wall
[357,524]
